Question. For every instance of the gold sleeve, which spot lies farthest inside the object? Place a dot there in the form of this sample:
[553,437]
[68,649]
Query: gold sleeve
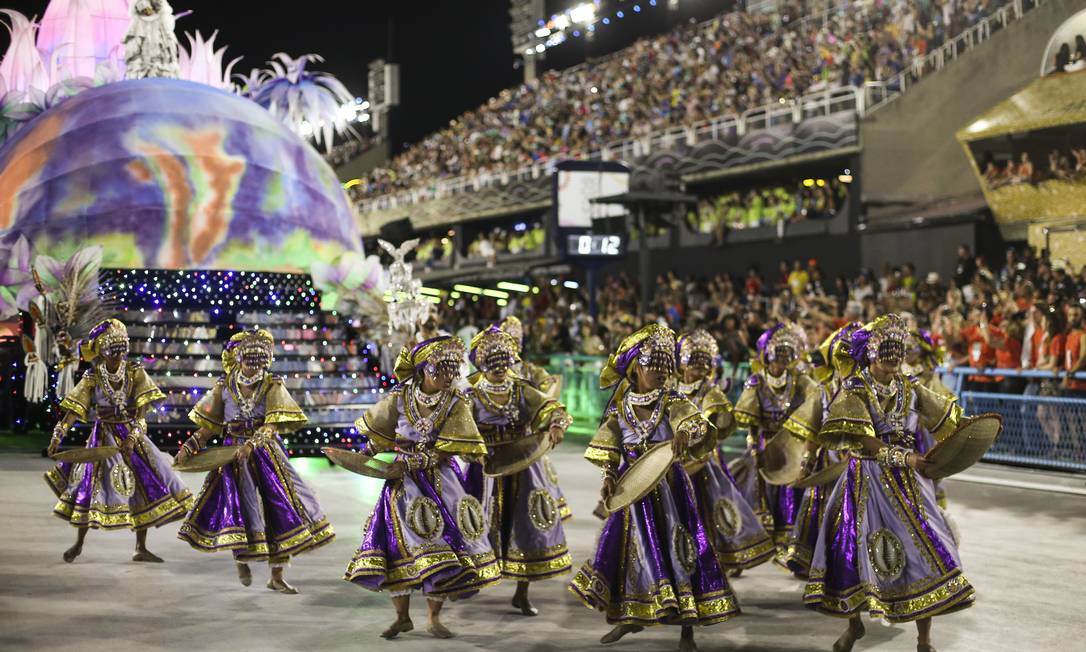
[939,414]
[209,412]
[550,385]
[459,434]
[848,421]
[935,384]
[280,409]
[748,409]
[144,390]
[605,449]
[719,411]
[806,420]
[541,407]
[81,398]
[682,414]
[378,424]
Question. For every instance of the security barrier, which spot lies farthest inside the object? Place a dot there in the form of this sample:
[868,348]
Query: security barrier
[1041,428]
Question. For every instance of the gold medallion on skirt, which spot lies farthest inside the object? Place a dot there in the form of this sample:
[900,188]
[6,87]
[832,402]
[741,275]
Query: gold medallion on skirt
[469,516]
[123,480]
[726,517]
[542,509]
[424,518]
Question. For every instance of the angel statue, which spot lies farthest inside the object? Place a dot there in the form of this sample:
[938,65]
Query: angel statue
[150,46]
[406,308]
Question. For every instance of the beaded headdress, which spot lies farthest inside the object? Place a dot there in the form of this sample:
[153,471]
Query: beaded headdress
[884,338]
[493,349]
[834,351]
[255,345]
[697,349]
[783,342]
[933,354]
[107,335]
[652,347]
[442,355]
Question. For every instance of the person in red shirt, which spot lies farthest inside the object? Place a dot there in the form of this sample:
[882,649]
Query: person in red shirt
[989,346]
[1074,361]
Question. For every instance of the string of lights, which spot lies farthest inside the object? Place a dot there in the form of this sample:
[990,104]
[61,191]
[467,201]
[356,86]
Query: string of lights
[179,320]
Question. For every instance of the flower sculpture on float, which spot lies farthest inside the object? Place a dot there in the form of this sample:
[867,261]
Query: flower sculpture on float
[203,64]
[353,284]
[308,102]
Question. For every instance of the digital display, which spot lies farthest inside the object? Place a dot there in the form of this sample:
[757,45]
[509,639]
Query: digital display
[595,245]
[577,188]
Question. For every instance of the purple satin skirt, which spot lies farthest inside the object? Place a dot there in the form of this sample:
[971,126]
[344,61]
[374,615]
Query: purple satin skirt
[134,491]
[426,533]
[735,531]
[776,505]
[526,529]
[654,563]
[796,555]
[885,548]
[477,484]
[260,510]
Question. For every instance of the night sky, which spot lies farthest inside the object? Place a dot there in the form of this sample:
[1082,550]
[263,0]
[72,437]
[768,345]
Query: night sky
[453,55]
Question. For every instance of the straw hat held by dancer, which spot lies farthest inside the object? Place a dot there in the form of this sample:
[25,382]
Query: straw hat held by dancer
[122,481]
[773,391]
[884,547]
[256,505]
[736,532]
[653,564]
[426,533]
[518,422]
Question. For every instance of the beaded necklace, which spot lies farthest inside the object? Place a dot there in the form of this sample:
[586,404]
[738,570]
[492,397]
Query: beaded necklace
[425,424]
[118,397]
[897,414]
[510,409]
[644,429]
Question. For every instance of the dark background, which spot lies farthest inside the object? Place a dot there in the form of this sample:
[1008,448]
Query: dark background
[453,56]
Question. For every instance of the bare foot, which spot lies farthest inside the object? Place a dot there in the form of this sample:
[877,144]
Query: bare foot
[735,572]
[526,608]
[245,576]
[71,553]
[280,585]
[849,638]
[686,640]
[437,630]
[924,647]
[618,632]
[143,554]
[397,628]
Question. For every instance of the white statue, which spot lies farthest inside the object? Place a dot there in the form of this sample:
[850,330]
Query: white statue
[407,308]
[150,47]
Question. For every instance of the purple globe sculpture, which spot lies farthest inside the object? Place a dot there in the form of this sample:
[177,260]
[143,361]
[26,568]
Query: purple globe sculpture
[171,174]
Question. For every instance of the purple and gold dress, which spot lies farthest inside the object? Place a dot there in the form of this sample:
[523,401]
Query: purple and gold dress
[525,516]
[654,563]
[426,532]
[762,409]
[260,510]
[134,491]
[805,422]
[884,546]
[736,532]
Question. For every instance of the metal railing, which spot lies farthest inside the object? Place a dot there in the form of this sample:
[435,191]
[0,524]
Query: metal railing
[878,94]
[1041,429]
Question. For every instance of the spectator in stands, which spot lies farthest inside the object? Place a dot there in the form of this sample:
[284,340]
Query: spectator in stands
[966,268]
[798,278]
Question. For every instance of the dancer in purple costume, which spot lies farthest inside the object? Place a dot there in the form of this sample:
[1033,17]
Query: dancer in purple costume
[832,363]
[654,563]
[884,546]
[256,506]
[426,533]
[773,391]
[737,534]
[134,489]
[525,522]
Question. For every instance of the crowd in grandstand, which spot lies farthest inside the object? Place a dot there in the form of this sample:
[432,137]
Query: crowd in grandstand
[1063,164]
[807,199]
[522,238]
[1024,313]
[724,66]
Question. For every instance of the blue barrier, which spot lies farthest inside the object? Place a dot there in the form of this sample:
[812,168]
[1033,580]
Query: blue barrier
[1040,431]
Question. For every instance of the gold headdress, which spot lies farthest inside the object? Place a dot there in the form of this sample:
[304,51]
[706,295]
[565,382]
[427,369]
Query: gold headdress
[515,329]
[652,347]
[444,352]
[105,334]
[256,340]
[493,348]
[698,349]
